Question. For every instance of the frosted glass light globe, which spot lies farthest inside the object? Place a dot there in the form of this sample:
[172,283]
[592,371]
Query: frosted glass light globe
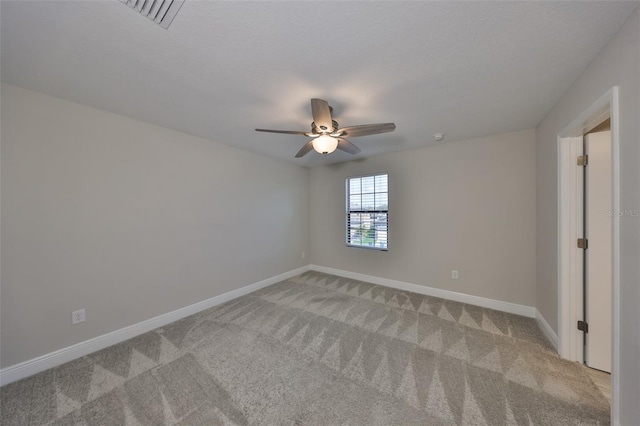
[325,144]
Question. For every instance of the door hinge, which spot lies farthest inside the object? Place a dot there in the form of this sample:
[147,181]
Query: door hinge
[583,160]
[583,326]
[583,243]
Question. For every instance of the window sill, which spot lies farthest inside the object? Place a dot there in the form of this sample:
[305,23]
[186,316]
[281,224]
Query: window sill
[368,247]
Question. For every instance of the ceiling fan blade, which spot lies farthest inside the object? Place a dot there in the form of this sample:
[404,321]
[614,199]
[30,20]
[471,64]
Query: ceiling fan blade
[321,114]
[366,129]
[305,149]
[288,132]
[347,146]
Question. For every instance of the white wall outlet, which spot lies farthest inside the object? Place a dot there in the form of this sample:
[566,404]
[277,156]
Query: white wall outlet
[77,316]
[454,274]
[304,255]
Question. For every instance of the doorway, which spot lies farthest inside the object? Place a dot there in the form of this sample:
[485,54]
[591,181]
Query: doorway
[588,276]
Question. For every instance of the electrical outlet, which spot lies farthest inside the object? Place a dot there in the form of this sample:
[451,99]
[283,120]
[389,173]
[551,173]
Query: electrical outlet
[304,255]
[77,316]
[454,274]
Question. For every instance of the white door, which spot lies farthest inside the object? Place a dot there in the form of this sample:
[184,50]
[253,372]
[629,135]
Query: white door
[598,256]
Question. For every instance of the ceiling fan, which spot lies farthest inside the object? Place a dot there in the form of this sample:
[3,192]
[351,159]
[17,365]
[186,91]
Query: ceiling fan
[327,135]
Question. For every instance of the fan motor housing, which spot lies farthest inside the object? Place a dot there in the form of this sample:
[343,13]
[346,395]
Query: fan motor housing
[319,131]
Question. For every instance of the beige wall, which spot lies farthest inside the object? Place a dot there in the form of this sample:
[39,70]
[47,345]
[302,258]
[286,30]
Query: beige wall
[465,205]
[617,64]
[129,220]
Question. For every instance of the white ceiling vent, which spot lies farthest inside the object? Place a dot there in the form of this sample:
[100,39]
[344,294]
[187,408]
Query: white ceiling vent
[161,12]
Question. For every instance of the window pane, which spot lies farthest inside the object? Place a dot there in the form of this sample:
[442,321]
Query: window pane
[380,225]
[353,220]
[382,183]
[382,201]
[356,219]
[368,201]
[367,184]
[381,240]
[355,228]
[355,202]
[354,186]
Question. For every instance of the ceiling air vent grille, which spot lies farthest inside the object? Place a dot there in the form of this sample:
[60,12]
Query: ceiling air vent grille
[161,12]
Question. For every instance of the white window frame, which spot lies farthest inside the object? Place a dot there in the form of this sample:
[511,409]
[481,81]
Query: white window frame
[348,212]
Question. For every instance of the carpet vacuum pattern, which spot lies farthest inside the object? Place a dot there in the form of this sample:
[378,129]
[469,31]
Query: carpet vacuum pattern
[324,350]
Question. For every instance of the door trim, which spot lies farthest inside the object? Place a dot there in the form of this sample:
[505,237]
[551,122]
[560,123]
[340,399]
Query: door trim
[569,288]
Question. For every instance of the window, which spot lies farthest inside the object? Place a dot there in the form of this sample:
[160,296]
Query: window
[367,211]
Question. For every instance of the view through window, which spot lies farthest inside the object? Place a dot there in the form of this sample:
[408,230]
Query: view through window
[367,211]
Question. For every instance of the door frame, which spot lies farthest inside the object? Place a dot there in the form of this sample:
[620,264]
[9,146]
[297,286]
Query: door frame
[570,259]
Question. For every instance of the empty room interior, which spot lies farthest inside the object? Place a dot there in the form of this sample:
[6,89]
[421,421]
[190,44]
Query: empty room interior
[323,213]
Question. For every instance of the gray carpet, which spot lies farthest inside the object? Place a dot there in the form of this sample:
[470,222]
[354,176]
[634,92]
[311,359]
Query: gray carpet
[318,349]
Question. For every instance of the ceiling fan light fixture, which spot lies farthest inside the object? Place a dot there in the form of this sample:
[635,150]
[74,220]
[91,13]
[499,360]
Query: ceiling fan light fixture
[326,134]
[325,144]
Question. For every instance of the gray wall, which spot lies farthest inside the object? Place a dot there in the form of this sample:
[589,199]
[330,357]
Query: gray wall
[466,205]
[129,220]
[617,64]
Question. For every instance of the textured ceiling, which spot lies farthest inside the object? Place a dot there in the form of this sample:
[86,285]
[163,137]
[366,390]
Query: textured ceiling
[468,69]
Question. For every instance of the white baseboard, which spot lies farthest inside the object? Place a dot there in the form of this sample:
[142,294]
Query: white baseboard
[512,308]
[44,362]
[547,330]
